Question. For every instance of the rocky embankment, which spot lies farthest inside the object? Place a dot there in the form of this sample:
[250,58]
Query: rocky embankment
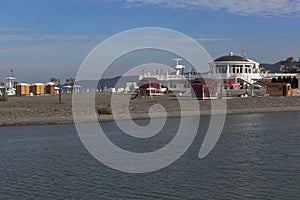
[39,110]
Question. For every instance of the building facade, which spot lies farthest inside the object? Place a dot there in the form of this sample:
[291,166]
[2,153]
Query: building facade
[237,69]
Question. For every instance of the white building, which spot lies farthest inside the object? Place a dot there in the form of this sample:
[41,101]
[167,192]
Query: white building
[175,81]
[10,89]
[230,67]
[2,90]
[236,68]
[131,86]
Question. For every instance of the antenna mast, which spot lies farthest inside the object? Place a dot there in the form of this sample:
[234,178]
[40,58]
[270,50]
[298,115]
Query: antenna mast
[177,60]
[244,53]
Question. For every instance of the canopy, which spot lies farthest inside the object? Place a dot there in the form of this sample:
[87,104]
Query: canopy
[233,84]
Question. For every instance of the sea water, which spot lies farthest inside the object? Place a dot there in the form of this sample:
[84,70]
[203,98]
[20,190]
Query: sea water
[256,157]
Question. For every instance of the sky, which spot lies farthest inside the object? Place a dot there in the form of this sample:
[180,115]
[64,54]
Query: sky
[40,39]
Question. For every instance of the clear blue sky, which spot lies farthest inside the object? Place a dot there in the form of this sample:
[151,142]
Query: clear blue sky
[44,38]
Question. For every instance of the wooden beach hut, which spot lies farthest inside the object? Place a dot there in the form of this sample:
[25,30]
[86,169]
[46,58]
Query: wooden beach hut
[22,89]
[204,88]
[50,88]
[151,86]
[37,89]
[149,83]
[279,89]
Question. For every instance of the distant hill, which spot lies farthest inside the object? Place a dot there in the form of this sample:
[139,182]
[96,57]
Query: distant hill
[116,82]
[275,68]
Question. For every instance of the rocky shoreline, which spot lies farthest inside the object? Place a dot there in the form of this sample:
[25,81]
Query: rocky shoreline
[45,110]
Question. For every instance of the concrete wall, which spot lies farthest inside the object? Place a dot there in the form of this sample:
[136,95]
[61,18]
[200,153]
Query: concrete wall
[278,90]
[235,93]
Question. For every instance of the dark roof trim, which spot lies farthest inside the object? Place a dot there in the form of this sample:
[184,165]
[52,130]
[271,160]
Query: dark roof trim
[230,58]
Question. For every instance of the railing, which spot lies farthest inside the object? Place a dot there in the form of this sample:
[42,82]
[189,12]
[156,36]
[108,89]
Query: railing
[275,75]
[163,77]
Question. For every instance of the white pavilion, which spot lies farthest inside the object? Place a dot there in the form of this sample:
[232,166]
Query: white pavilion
[236,68]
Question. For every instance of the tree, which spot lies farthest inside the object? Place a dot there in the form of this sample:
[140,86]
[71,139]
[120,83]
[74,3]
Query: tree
[289,80]
[71,82]
[262,70]
[289,60]
[279,80]
[53,80]
[292,70]
[284,80]
[58,84]
[294,83]
[274,80]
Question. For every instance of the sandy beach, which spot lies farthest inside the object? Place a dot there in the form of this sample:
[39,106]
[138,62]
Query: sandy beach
[38,110]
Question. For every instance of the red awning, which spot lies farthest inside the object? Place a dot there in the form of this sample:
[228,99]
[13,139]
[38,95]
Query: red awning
[233,84]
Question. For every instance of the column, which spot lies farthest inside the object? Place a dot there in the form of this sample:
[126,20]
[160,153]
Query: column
[298,77]
[227,72]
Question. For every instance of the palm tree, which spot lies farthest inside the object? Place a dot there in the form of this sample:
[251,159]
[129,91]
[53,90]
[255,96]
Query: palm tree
[262,70]
[58,84]
[53,79]
[71,82]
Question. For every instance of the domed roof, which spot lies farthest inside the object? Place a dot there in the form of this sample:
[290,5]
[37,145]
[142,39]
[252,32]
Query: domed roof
[231,57]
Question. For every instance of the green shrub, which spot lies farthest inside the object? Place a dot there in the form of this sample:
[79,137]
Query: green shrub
[104,111]
[3,98]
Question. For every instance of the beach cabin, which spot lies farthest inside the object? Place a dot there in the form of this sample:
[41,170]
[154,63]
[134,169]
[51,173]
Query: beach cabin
[37,89]
[204,88]
[50,88]
[279,89]
[149,83]
[67,89]
[22,89]
[151,86]
[77,89]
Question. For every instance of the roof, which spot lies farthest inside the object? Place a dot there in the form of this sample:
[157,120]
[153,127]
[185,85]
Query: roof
[152,80]
[277,84]
[10,78]
[207,81]
[230,58]
[38,84]
[50,83]
[23,84]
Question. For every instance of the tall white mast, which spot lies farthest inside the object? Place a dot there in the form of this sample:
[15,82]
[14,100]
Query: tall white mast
[178,67]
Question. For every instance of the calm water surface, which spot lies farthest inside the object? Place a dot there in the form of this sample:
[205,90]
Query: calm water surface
[257,157]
